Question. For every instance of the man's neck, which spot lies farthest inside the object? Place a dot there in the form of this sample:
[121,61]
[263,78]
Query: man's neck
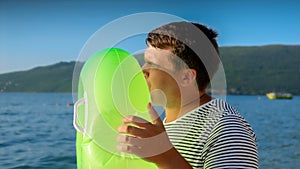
[176,110]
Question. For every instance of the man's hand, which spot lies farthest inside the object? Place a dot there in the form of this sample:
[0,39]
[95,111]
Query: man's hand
[144,139]
[150,141]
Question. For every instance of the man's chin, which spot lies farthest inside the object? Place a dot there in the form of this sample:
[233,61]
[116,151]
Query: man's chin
[158,97]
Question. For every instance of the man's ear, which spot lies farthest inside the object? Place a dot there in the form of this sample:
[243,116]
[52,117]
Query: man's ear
[188,77]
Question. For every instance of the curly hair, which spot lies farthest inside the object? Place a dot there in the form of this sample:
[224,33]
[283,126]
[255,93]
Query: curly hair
[186,40]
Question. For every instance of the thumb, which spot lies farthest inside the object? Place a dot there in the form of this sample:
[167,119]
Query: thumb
[154,115]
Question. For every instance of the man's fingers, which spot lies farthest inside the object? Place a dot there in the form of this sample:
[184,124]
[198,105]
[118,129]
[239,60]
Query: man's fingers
[129,149]
[135,131]
[140,122]
[129,144]
[154,115]
[144,147]
[126,139]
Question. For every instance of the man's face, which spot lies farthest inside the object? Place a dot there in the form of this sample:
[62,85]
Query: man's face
[160,72]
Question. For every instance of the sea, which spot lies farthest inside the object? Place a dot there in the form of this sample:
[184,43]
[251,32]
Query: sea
[36,130]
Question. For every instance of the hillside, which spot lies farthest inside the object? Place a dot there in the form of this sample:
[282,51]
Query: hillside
[249,70]
[52,78]
[261,69]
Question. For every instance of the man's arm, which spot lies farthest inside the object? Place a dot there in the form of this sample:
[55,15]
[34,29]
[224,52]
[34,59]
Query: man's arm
[232,144]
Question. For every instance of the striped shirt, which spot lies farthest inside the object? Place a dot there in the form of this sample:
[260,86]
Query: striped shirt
[214,135]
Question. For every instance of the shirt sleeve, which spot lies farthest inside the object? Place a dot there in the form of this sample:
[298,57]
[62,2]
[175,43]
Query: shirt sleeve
[232,144]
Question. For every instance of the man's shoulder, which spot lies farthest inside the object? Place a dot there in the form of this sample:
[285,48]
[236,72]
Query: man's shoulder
[217,107]
[224,108]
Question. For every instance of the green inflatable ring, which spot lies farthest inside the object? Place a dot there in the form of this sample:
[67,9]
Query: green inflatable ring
[111,86]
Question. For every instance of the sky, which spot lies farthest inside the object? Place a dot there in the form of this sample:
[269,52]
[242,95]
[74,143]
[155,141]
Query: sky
[38,33]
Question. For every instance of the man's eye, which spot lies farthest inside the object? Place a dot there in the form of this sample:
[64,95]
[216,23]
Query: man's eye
[150,64]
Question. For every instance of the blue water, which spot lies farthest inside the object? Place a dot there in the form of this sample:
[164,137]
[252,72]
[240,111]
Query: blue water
[36,130]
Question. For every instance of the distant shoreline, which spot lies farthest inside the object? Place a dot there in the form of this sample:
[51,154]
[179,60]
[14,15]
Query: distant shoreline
[253,70]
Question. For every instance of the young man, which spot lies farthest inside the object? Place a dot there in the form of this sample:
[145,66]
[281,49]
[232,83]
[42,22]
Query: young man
[199,131]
